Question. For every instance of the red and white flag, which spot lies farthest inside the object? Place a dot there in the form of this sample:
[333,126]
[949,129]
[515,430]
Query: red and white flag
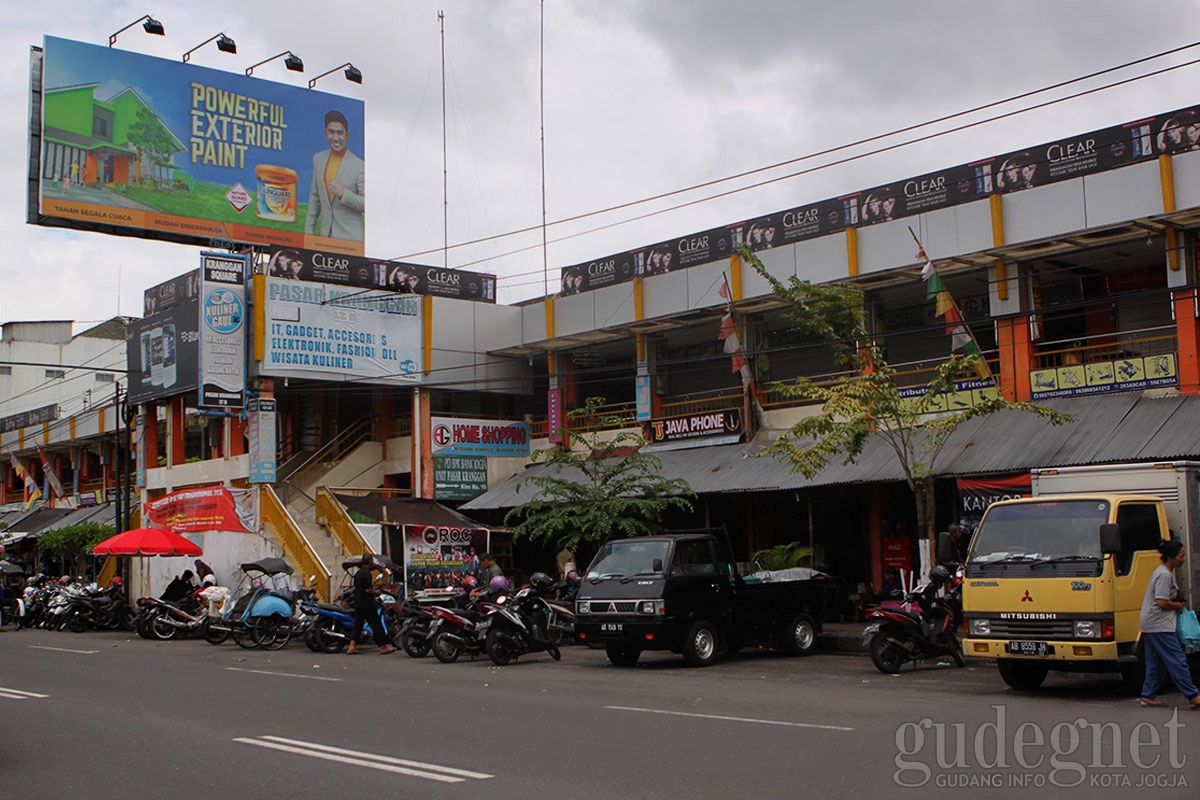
[51,475]
[733,347]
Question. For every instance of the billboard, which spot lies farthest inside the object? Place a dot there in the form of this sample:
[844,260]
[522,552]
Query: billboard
[327,332]
[369,273]
[1085,154]
[145,146]
[222,330]
[439,557]
[169,294]
[456,436]
[162,353]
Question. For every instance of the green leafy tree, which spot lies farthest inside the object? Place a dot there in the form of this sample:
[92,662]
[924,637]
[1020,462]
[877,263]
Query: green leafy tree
[75,542]
[602,486]
[152,140]
[865,401]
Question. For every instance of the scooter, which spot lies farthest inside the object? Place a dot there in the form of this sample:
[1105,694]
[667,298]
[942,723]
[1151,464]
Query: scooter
[897,636]
[330,630]
[520,626]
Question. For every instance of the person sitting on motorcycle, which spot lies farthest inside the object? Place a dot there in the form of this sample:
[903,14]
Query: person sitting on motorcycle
[179,588]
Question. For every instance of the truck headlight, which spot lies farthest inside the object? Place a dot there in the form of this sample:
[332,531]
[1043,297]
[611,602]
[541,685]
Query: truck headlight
[1087,629]
[583,607]
[981,627]
[650,607]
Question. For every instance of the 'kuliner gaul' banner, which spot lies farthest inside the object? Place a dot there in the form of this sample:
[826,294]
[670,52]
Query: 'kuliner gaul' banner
[211,508]
[133,141]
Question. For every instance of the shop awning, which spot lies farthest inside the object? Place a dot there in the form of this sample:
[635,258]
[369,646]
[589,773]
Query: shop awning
[102,514]
[406,511]
[34,523]
[1124,427]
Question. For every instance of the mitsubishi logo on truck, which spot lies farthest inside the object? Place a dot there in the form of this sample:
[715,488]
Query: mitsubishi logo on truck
[612,608]
[1027,598]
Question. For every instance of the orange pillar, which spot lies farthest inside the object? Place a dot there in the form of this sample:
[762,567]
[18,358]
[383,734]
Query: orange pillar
[1187,332]
[1016,358]
[176,432]
[237,433]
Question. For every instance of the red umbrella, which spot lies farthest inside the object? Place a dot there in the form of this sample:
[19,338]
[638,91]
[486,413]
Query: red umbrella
[147,542]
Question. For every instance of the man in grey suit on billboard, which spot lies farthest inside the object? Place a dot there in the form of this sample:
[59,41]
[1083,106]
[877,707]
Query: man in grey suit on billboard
[338,194]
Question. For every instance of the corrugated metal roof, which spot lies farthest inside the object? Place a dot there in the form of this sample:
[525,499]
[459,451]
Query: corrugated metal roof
[102,513]
[1126,426]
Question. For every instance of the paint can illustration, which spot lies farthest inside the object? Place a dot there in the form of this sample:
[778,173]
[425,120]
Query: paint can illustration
[276,192]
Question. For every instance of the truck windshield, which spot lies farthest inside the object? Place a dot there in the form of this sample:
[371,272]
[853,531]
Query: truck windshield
[626,558]
[1039,531]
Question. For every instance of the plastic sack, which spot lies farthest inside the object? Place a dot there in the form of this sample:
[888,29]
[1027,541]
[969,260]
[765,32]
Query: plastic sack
[1187,627]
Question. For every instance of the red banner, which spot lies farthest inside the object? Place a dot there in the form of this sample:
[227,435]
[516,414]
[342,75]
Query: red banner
[211,508]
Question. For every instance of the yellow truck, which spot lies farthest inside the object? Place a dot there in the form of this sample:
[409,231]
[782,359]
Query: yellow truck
[1055,581]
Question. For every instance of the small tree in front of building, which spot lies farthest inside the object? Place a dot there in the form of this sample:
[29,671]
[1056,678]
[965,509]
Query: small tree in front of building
[599,487]
[865,401]
[74,543]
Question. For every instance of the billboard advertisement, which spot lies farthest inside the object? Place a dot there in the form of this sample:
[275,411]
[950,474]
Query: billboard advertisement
[179,151]
[328,332]
[455,436]
[162,353]
[222,330]
[369,273]
[459,477]
[210,508]
[169,294]
[439,557]
[1085,154]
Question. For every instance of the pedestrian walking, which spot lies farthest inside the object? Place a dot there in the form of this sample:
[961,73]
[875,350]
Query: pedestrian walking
[1163,653]
[365,611]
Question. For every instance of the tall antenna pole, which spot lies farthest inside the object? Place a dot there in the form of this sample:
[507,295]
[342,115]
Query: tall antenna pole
[445,171]
[542,116]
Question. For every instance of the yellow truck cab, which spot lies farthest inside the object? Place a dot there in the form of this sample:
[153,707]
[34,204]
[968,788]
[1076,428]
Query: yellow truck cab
[1056,581]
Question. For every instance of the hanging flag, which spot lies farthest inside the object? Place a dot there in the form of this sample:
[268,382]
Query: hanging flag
[724,290]
[733,348]
[51,475]
[31,487]
[961,339]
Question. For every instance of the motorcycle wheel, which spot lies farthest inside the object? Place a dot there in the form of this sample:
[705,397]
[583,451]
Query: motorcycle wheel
[444,648]
[323,639]
[161,629]
[141,624]
[554,652]
[77,622]
[391,621]
[956,653]
[416,645]
[499,650]
[215,632]
[127,620]
[886,654]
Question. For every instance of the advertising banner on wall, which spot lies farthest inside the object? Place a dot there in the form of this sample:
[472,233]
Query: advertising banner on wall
[210,508]
[719,424]
[327,332]
[439,557]
[455,436]
[189,153]
[162,353]
[367,273]
[28,419]
[260,432]
[1085,154]
[459,477]
[222,330]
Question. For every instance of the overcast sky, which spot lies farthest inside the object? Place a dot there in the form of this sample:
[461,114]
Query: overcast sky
[641,98]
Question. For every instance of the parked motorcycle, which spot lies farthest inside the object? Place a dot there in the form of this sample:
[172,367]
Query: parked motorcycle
[330,630]
[521,625]
[454,632]
[897,636]
[105,609]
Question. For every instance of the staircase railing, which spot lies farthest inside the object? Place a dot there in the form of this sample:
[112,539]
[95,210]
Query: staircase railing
[333,516]
[295,544]
[332,452]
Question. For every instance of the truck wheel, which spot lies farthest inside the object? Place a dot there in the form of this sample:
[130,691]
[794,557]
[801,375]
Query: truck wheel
[1133,676]
[800,635]
[622,655]
[700,644]
[1023,676]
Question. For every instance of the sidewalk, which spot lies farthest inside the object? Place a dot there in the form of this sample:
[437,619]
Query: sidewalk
[842,637]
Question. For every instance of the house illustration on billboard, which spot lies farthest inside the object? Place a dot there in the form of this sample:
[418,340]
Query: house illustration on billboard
[115,142]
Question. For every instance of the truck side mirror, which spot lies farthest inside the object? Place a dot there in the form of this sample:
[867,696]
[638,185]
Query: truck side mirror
[945,547]
[656,565]
[1110,538]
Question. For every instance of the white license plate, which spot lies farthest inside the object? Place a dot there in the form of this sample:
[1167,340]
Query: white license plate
[1026,648]
[614,627]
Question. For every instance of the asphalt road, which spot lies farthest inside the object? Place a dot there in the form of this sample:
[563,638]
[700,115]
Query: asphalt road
[102,715]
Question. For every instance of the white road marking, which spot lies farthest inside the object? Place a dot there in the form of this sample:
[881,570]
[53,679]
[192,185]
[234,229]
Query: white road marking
[731,719]
[17,694]
[284,674]
[416,769]
[63,650]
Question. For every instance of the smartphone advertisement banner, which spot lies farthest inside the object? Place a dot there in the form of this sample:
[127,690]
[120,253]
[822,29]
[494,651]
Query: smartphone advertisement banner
[162,353]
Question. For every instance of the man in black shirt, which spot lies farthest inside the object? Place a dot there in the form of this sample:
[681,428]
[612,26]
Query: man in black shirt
[365,611]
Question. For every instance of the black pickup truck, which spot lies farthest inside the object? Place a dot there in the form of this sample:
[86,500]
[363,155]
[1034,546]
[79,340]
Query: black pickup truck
[682,592]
